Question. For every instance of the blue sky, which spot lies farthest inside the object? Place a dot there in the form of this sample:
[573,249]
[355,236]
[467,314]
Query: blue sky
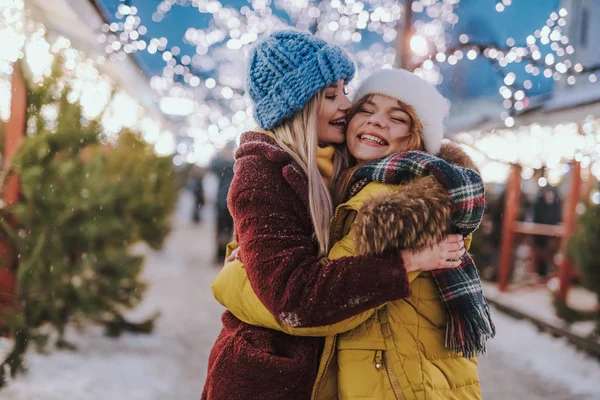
[478,18]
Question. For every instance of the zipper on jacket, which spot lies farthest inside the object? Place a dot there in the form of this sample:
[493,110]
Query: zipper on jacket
[378,361]
[393,380]
[318,384]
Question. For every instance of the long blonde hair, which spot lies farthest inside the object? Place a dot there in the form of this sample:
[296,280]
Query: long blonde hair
[413,142]
[298,136]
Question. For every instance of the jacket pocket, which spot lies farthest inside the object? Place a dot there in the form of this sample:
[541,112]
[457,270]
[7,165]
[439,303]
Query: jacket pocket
[362,373]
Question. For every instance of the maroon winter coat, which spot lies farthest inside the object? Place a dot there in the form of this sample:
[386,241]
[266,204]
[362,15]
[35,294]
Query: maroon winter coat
[268,200]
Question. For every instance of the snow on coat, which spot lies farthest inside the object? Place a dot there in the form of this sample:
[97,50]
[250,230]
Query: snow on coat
[269,203]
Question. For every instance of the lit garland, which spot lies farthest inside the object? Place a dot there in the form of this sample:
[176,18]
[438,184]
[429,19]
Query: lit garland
[535,147]
[210,82]
[12,26]
[97,94]
[555,64]
[213,78]
[124,37]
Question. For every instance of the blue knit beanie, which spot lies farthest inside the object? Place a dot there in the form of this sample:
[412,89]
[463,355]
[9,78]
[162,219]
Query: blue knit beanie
[287,69]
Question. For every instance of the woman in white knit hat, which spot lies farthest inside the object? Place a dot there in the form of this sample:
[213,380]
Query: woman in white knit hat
[396,195]
[281,209]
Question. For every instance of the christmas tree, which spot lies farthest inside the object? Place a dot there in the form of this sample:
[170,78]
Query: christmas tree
[84,202]
[585,252]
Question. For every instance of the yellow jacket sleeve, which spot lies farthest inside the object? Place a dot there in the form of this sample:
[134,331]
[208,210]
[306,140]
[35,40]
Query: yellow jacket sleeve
[232,289]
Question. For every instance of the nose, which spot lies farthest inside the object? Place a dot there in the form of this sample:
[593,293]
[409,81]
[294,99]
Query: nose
[345,104]
[376,119]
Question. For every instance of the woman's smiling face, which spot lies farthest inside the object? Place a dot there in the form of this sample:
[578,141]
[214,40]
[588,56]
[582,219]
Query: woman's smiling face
[331,123]
[380,127]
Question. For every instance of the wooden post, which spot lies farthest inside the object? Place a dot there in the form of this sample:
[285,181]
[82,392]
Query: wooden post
[404,32]
[565,267]
[15,133]
[511,209]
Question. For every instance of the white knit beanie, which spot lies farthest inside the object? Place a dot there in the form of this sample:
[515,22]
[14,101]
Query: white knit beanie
[431,107]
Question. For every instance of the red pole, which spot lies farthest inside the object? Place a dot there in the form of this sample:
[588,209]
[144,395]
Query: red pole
[565,267]
[15,133]
[511,209]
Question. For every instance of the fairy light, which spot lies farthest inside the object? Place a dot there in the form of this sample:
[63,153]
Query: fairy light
[536,146]
[212,76]
[95,92]
[12,37]
[546,51]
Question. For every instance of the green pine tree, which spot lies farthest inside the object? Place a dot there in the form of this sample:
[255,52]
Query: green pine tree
[584,251]
[83,204]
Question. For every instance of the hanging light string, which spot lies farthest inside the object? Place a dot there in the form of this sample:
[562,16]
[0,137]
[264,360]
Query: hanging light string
[213,76]
[555,64]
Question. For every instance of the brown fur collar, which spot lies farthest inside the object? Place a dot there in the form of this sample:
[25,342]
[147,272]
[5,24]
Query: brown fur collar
[415,217]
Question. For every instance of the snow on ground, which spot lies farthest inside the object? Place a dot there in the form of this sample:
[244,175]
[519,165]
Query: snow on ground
[170,364]
[102,368]
[552,358]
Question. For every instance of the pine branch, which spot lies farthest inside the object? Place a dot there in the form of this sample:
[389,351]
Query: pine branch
[119,325]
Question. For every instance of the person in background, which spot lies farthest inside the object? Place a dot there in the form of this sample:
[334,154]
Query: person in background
[197,188]
[546,210]
[222,167]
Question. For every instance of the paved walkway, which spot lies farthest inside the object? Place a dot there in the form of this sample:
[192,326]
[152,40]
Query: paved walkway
[170,364]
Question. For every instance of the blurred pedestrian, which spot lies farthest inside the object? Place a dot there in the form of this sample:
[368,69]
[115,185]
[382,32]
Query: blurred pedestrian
[546,210]
[222,167]
[197,188]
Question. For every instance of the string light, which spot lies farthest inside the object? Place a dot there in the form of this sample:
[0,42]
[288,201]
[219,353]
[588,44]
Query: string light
[212,77]
[96,93]
[545,52]
[537,146]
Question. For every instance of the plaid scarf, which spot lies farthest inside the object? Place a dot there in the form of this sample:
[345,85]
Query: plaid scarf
[469,322]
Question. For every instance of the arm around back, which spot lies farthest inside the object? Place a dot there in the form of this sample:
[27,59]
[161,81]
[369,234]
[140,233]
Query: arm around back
[268,201]
[232,289]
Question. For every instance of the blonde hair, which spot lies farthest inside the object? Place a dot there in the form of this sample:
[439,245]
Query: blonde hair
[298,136]
[413,142]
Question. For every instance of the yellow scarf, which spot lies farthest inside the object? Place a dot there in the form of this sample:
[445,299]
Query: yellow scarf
[325,162]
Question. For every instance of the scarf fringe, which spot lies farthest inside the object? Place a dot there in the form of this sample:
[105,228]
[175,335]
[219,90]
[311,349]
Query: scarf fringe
[468,333]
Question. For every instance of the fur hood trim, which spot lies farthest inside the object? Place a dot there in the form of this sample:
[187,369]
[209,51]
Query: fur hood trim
[412,218]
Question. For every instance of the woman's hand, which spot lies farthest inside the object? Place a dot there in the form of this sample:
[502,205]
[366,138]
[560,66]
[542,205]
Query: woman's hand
[235,254]
[443,255]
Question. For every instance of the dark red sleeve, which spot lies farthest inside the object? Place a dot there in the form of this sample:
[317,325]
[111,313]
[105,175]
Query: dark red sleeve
[274,231]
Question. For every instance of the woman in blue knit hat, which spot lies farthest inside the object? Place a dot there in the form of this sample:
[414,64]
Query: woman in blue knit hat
[281,208]
[396,195]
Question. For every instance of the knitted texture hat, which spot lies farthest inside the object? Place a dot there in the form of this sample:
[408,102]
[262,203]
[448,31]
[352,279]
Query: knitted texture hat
[431,107]
[287,69]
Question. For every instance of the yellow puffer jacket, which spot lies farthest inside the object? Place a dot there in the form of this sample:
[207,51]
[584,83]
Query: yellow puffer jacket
[394,352]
